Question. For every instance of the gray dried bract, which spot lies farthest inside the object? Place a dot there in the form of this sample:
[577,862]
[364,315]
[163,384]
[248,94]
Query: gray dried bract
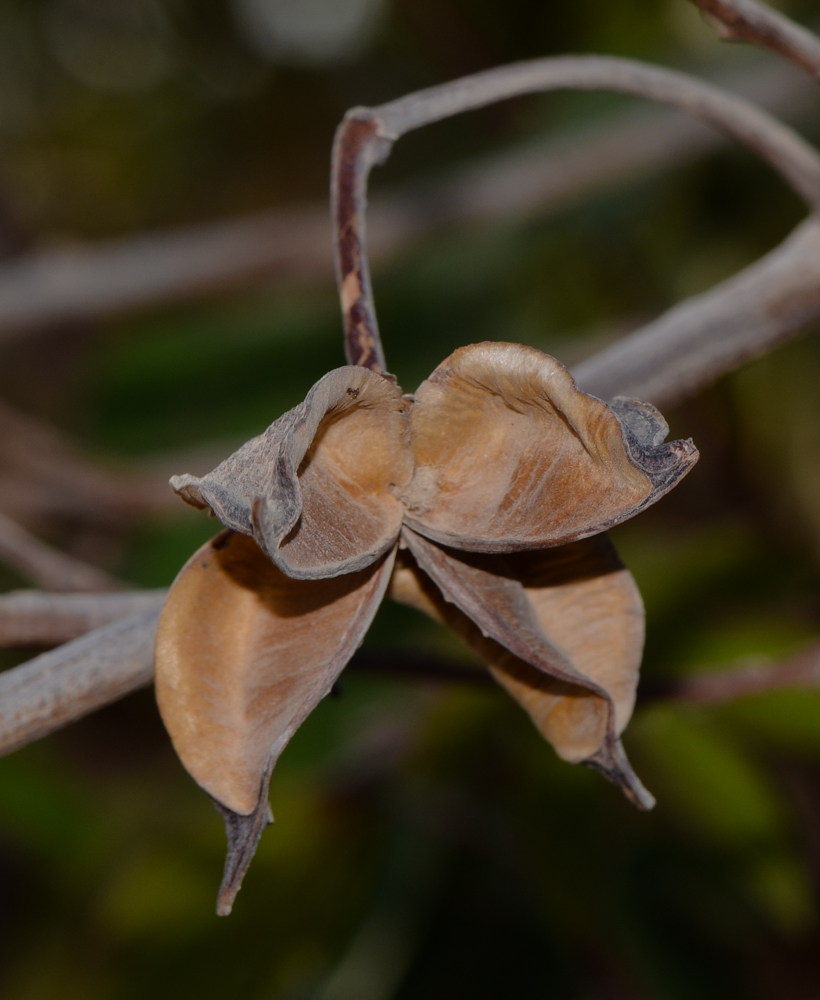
[481,500]
[318,490]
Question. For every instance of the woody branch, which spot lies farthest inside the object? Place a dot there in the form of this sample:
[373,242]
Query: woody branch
[90,281]
[367,135]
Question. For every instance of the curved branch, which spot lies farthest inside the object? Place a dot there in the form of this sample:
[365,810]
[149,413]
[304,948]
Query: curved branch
[90,281]
[366,135]
[749,21]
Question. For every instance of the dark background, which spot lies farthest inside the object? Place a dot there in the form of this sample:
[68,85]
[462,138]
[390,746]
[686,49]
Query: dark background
[428,845]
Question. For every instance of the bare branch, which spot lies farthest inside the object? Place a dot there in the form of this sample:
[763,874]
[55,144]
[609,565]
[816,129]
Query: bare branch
[92,281]
[749,21]
[705,337]
[43,476]
[39,618]
[66,683]
[59,687]
[359,145]
[47,566]
[366,136]
[88,282]
[800,671]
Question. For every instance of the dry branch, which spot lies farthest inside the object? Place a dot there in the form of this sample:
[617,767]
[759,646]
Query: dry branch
[57,688]
[66,683]
[44,477]
[366,136]
[749,21]
[800,671]
[697,342]
[39,618]
[61,686]
[87,282]
[710,335]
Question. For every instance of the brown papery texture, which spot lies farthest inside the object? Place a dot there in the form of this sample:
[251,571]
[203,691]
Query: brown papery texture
[531,617]
[244,654]
[500,611]
[319,489]
[590,607]
[511,455]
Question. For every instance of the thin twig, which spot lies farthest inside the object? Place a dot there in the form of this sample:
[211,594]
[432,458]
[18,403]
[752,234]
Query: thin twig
[700,340]
[366,136]
[749,21]
[40,618]
[46,566]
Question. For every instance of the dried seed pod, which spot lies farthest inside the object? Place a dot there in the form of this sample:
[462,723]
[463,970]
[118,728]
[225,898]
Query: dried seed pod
[511,462]
[511,455]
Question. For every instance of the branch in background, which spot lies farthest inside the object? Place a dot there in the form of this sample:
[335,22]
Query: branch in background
[42,477]
[56,688]
[88,282]
[749,21]
[38,618]
[366,137]
[46,566]
[710,335]
[63,685]
[67,683]
[697,342]
[800,671]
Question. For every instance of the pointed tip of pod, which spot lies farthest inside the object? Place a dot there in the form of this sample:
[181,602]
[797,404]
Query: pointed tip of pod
[611,761]
[243,834]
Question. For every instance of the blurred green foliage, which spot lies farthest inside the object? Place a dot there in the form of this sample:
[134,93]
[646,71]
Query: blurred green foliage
[427,845]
